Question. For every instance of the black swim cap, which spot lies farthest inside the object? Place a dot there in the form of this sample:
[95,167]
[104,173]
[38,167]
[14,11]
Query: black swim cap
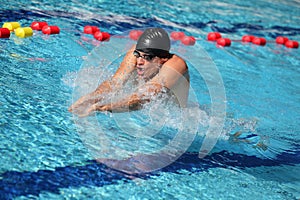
[154,41]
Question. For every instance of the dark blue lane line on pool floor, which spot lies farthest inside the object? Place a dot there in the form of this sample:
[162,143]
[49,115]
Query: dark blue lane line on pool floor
[14,184]
[255,29]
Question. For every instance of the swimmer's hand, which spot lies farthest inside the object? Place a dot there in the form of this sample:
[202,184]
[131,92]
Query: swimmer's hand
[82,104]
[125,105]
[132,102]
[86,111]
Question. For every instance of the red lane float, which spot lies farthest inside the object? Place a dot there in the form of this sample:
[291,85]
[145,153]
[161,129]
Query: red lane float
[247,38]
[292,44]
[177,35]
[188,40]
[38,26]
[213,36]
[4,33]
[49,30]
[225,42]
[90,29]
[135,34]
[281,40]
[259,41]
[102,36]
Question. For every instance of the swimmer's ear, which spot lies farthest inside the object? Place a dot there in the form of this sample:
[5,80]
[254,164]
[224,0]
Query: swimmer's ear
[163,60]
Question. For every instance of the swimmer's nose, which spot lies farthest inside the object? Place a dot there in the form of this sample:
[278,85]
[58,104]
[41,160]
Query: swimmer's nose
[140,61]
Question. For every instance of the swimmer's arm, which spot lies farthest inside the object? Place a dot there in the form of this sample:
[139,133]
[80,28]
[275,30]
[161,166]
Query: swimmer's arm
[126,67]
[121,75]
[132,102]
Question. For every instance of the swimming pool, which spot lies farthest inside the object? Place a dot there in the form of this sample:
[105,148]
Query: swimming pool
[44,157]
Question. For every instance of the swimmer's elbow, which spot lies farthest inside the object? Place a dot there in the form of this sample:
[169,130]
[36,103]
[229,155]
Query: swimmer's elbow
[136,101]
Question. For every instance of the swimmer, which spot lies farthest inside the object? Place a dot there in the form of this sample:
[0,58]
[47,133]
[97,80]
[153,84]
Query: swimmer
[150,61]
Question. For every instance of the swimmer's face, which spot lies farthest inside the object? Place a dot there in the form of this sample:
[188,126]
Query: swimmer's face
[147,65]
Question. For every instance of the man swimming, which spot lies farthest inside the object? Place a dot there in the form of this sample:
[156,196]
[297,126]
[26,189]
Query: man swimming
[152,62]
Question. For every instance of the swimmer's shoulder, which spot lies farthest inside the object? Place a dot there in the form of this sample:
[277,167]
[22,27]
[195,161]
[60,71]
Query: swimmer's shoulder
[179,61]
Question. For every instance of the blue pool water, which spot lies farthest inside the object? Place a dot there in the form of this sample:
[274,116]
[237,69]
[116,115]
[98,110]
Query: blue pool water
[44,155]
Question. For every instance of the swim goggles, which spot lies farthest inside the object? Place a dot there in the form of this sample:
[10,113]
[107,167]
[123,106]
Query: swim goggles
[147,57]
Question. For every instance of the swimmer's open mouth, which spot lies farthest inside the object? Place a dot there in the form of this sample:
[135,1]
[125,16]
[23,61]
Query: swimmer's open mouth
[140,71]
